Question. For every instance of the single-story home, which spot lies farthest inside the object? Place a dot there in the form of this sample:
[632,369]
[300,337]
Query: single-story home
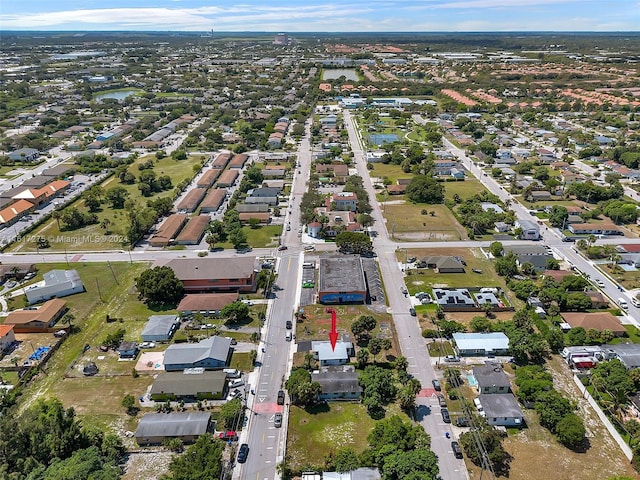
[338,384]
[442,264]
[326,355]
[453,298]
[128,350]
[210,353]
[178,385]
[595,229]
[490,378]
[168,230]
[39,319]
[205,303]
[160,328]
[24,155]
[539,262]
[57,283]
[154,428]
[502,409]
[481,344]
[7,336]
[15,270]
[599,321]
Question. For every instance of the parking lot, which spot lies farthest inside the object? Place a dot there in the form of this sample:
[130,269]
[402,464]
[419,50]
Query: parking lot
[308,295]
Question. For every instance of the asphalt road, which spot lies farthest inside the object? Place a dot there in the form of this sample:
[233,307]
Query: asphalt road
[412,344]
[266,442]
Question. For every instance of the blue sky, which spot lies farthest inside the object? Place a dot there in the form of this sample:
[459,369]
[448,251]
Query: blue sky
[322,16]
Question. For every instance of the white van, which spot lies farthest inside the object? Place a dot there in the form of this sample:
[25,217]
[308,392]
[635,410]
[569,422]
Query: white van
[231,373]
[489,290]
[623,304]
[288,336]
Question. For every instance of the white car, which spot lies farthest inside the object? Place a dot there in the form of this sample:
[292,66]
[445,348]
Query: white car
[599,282]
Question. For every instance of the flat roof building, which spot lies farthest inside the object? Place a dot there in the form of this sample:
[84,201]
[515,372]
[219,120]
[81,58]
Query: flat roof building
[342,280]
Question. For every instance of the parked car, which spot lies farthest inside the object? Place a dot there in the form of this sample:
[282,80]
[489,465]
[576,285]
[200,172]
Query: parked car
[462,422]
[243,453]
[280,400]
[457,451]
[436,385]
[412,312]
[228,436]
[233,395]
[277,420]
[445,415]
[236,383]
[451,358]
[441,400]
[288,325]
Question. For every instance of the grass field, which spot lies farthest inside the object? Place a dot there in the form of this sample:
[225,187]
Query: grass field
[95,404]
[95,237]
[419,279]
[465,189]
[260,237]
[317,432]
[388,170]
[405,222]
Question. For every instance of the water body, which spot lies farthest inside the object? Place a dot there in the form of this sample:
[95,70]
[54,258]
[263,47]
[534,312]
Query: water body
[333,73]
[119,95]
[77,54]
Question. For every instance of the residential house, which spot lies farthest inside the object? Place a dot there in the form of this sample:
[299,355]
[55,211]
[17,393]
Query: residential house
[24,155]
[191,200]
[214,200]
[502,409]
[195,384]
[193,232]
[595,229]
[207,304]
[598,300]
[7,337]
[490,378]
[211,353]
[160,328]
[15,270]
[228,178]
[442,264]
[538,196]
[481,344]
[14,212]
[221,161]
[454,298]
[57,283]
[128,350]
[488,298]
[39,319]
[539,262]
[339,383]
[155,428]
[208,274]
[599,321]
[168,230]
[326,355]
[344,201]
[208,178]
[530,229]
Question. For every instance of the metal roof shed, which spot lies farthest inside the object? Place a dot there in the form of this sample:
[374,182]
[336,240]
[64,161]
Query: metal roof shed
[188,426]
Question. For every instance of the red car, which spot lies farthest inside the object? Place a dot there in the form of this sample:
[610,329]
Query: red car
[229,436]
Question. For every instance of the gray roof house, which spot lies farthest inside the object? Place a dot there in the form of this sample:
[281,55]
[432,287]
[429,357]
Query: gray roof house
[57,283]
[187,426]
[539,262]
[192,384]
[491,378]
[454,298]
[24,154]
[160,328]
[502,409]
[490,298]
[210,353]
[338,383]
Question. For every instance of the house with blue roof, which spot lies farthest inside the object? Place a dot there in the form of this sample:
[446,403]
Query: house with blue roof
[481,344]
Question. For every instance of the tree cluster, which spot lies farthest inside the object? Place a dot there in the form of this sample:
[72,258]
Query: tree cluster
[492,440]
[201,461]
[160,285]
[47,442]
[301,389]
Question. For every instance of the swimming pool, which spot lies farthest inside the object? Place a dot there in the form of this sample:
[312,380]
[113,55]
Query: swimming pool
[472,380]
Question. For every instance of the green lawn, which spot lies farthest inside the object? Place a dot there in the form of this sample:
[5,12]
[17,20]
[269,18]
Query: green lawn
[465,189]
[388,170]
[241,361]
[633,335]
[314,433]
[94,399]
[424,278]
[405,222]
[95,237]
[260,237]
